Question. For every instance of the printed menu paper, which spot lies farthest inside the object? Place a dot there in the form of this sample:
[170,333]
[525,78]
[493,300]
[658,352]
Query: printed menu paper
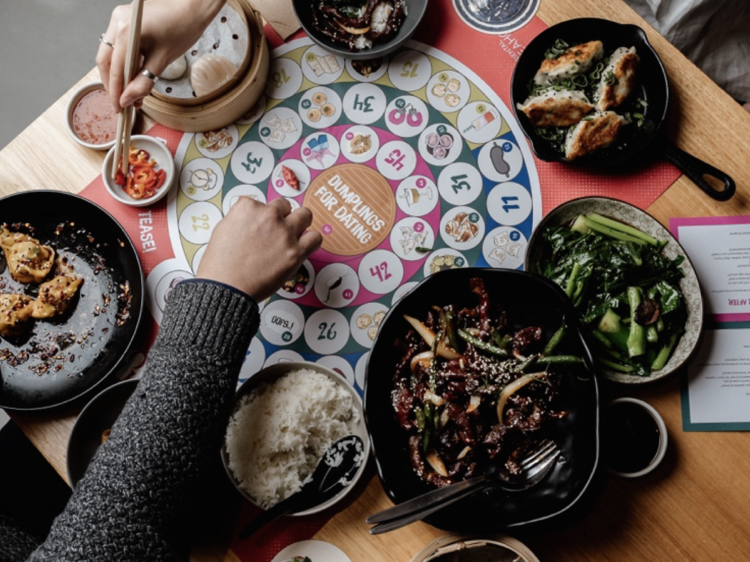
[716,389]
[719,248]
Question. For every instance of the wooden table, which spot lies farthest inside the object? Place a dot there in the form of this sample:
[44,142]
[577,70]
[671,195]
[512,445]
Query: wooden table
[696,506]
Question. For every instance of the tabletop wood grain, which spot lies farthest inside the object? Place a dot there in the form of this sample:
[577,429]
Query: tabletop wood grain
[696,506]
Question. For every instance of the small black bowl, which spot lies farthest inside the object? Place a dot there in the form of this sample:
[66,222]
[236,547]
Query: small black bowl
[416,10]
[653,87]
[528,300]
[98,416]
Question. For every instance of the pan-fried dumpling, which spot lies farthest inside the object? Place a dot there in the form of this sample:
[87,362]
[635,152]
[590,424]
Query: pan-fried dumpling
[618,79]
[596,131]
[28,260]
[55,295]
[210,73]
[15,310]
[556,109]
[575,60]
[8,238]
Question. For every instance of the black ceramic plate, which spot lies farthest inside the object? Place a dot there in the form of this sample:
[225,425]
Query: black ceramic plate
[653,86]
[57,361]
[98,416]
[528,300]
[416,9]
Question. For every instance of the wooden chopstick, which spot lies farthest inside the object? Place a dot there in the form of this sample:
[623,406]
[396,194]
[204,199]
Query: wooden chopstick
[124,121]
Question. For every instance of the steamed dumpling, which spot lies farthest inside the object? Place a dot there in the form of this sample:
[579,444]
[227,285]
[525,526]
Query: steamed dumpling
[622,67]
[556,109]
[596,131]
[575,60]
[210,73]
[176,69]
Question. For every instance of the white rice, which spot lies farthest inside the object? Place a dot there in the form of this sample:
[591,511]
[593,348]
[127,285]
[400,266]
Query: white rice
[281,430]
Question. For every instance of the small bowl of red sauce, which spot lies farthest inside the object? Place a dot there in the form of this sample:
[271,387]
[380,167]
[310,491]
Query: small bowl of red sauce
[150,175]
[634,437]
[90,118]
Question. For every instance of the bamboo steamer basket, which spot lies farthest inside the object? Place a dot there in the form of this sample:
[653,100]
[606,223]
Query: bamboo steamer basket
[453,543]
[232,104]
[241,68]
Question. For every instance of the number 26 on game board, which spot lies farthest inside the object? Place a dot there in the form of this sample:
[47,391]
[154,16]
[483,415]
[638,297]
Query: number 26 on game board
[327,332]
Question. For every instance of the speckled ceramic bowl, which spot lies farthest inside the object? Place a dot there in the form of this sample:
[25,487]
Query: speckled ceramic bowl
[627,213]
[356,425]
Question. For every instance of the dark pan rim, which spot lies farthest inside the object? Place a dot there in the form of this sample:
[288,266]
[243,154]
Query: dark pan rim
[137,321]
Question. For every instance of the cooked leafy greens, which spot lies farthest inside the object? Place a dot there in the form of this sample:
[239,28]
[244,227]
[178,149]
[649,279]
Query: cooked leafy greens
[625,289]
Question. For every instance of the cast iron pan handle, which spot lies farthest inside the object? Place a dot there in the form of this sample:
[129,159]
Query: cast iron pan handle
[695,169]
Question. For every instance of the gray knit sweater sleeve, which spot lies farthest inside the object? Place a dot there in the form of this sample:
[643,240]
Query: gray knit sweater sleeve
[131,504]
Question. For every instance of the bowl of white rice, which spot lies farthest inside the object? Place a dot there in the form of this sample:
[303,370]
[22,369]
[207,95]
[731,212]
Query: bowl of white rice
[284,419]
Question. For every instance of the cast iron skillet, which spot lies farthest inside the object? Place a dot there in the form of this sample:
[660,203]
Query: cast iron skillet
[59,360]
[528,300]
[634,142]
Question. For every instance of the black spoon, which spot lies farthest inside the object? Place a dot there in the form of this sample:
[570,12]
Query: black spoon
[335,471]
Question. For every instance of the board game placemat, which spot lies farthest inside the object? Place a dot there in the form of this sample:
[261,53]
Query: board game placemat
[412,163]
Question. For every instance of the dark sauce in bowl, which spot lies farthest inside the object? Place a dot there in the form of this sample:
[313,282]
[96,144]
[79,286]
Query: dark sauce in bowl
[631,437]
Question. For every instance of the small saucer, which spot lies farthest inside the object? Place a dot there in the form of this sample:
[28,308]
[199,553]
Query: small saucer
[77,96]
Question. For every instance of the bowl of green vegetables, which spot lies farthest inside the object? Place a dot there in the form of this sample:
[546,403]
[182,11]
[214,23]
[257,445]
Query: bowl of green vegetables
[633,285]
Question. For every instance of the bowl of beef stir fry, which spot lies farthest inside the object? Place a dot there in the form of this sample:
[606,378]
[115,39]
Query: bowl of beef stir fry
[471,370]
[360,29]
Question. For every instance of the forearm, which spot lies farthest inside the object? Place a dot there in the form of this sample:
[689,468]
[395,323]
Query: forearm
[144,477]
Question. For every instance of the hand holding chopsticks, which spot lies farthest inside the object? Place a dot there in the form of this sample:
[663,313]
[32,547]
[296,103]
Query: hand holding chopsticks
[124,123]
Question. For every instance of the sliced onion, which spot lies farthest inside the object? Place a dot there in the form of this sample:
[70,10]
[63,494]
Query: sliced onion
[423,358]
[444,419]
[436,463]
[463,453]
[476,332]
[474,402]
[519,356]
[429,337]
[512,388]
[434,398]
[354,30]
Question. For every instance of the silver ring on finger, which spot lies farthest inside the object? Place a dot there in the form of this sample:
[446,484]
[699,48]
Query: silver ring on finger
[150,75]
[103,39]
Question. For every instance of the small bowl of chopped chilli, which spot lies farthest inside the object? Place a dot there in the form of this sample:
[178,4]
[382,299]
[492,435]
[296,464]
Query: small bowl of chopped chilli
[90,118]
[284,418]
[636,292]
[151,174]
[470,370]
